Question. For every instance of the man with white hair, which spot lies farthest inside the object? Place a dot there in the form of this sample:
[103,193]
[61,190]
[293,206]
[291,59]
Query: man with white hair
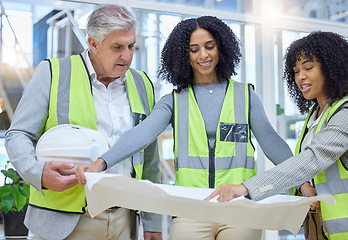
[96,89]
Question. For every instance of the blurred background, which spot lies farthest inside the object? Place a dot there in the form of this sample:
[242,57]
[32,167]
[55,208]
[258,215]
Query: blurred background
[33,30]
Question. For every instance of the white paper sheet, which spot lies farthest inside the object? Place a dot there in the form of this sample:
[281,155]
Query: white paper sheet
[279,212]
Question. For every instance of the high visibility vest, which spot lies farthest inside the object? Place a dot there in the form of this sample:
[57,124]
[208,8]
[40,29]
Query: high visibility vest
[334,181]
[71,101]
[232,159]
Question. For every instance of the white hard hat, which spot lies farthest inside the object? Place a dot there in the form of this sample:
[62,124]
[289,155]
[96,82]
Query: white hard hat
[71,143]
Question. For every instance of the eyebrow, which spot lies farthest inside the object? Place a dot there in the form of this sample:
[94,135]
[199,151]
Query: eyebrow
[309,60]
[120,44]
[195,44]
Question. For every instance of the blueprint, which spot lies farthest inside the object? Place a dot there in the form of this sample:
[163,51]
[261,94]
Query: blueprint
[279,212]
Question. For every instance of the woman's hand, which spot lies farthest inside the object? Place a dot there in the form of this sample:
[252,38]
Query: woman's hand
[96,166]
[308,191]
[227,192]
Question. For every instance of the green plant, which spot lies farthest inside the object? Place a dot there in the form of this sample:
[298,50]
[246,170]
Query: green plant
[14,195]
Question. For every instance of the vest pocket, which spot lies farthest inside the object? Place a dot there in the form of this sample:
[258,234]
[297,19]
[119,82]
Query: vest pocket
[138,118]
[233,132]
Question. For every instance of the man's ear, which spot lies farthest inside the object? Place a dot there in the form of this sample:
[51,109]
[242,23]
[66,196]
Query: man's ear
[93,44]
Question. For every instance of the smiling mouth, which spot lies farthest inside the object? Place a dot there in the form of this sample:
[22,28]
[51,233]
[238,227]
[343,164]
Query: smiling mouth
[205,64]
[304,87]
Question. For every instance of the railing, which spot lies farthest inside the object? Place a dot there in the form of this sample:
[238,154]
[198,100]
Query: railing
[61,20]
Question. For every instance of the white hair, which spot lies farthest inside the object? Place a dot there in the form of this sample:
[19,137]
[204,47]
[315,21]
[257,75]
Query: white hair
[109,18]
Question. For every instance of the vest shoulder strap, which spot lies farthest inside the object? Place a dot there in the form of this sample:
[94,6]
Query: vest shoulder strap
[338,106]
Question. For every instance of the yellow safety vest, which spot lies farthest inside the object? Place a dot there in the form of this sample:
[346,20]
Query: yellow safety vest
[71,101]
[334,181]
[232,160]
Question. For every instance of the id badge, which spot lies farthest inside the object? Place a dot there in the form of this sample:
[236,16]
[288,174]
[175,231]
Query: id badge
[233,132]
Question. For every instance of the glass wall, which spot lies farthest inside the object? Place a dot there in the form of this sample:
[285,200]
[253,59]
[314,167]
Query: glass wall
[291,117]
[329,10]
[153,30]
[224,5]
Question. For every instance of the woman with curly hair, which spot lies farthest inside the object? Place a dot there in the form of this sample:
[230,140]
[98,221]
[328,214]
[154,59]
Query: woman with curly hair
[316,73]
[212,117]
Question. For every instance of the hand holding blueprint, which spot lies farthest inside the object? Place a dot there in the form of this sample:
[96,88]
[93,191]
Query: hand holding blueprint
[279,212]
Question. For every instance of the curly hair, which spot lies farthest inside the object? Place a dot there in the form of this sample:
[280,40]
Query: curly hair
[175,64]
[331,51]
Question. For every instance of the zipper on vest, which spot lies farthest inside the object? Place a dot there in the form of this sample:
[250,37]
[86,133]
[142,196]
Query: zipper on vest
[211,167]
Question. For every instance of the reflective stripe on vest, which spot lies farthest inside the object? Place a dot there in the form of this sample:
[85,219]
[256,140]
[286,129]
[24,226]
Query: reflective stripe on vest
[232,161]
[65,107]
[334,181]
[138,84]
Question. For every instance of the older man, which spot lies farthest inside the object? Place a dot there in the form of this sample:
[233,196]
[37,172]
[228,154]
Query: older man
[95,89]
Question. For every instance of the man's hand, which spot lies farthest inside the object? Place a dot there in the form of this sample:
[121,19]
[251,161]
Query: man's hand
[308,191]
[53,180]
[152,236]
[227,192]
[96,166]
